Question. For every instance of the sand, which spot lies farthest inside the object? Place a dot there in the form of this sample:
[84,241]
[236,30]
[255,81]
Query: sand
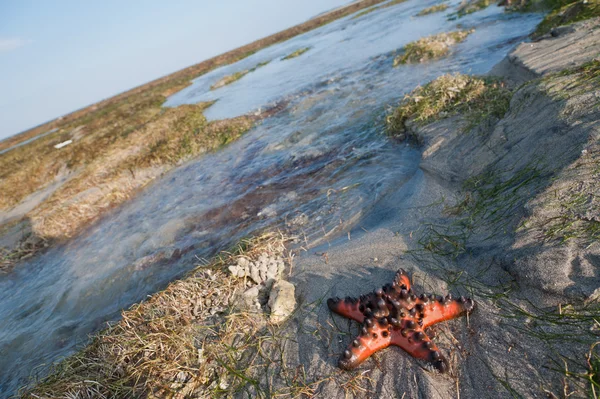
[536,295]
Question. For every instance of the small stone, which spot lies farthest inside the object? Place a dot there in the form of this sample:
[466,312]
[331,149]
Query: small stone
[223,385]
[272,270]
[182,377]
[254,275]
[265,268]
[280,266]
[243,262]
[299,220]
[249,300]
[282,301]
[594,297]
[262,270]
[264,291]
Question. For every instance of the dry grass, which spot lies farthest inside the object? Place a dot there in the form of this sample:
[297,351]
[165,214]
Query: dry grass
[433,9]
[229,79]
[28,168]
[296,53]
[119,169]
[113,155]
[187,340]
[476,98]
[26,248]
[431,47]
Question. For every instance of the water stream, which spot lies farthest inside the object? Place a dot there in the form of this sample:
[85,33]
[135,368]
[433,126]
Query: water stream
[316,169]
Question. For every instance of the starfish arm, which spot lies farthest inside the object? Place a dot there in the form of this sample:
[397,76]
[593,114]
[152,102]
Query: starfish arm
[348,307]
[402,278]
[373,337]
[355,309]
[419,345]
[442,309]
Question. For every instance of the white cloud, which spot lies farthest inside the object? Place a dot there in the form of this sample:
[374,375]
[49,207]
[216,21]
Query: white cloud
[9,44]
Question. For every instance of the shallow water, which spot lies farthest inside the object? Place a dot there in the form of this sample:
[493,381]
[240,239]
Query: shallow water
[316,169]
[34,138]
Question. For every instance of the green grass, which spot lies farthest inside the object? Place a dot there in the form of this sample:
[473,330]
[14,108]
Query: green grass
[365,12]
[571,224]
[493,198]
[570,208]
[565,12]
[574,81]
[551,327]
[431,47]
[478,99]
[469,7]
[296,53]
[433,9]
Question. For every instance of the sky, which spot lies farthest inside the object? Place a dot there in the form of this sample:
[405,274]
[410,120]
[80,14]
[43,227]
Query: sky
[58,56]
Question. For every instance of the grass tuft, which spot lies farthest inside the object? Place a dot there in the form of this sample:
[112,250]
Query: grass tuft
[433,9]
[477,98]
[229,79]
[565,12]
[365,12]
[431,47]
[370,10]
[581,80]
[27,247]
[469,7]
[296,53]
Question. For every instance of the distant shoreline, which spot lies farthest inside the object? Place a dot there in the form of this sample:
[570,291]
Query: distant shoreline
[188,73]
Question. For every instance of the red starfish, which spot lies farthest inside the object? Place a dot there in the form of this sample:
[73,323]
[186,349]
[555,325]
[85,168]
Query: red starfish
[394,315]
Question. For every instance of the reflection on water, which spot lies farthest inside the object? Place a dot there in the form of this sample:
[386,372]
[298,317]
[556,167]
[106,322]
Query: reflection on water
[315,169]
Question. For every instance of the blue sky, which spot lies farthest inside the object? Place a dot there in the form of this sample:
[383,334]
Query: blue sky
[57,56]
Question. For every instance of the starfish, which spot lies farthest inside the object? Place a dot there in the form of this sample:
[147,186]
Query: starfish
[394,315]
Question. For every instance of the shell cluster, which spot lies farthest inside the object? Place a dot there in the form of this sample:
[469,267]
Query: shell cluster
[263,269]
